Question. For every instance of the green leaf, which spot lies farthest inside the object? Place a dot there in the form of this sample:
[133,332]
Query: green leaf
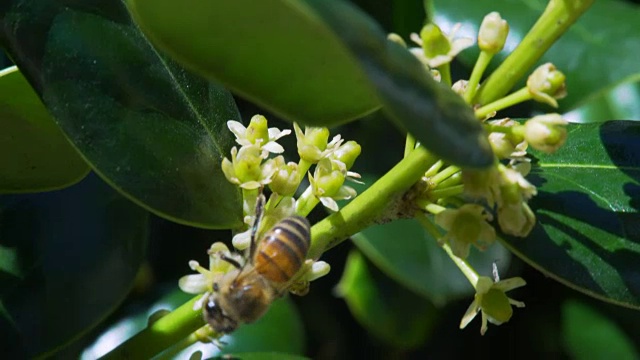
[74,255]
[288,61]
[151,129]
[34,154]
[404,251]
[588,230]
[620,103]
[280,330]
[346,82]
[390,312]
[432,112]
[597,53]
[587,334]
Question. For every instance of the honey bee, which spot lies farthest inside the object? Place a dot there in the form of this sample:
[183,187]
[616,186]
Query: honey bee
[244,294]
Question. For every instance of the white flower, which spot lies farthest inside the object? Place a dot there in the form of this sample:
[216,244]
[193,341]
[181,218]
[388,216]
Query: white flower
[203,281]
[492,302]
[258,134]
[246,169]
[441,41]
[328,180]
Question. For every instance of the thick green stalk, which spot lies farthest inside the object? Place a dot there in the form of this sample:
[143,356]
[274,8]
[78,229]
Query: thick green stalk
[368,206]
[163,333]
[556,19]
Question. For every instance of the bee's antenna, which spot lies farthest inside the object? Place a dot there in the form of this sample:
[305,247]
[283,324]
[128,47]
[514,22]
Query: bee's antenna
[256,223]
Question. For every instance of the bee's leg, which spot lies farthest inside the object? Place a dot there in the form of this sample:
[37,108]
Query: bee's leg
[256,223]
[231,261]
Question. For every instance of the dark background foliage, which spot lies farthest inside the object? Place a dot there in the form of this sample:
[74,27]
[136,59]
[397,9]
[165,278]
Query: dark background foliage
[543,329]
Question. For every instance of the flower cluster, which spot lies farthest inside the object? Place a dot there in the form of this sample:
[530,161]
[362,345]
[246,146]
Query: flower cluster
[465,201]
[258,164]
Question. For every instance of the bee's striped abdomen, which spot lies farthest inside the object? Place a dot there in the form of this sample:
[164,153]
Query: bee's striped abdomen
[283,249]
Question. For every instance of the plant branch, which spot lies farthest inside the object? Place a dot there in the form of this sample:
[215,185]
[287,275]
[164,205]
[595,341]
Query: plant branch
[368,206]
[556,19]
[156,337]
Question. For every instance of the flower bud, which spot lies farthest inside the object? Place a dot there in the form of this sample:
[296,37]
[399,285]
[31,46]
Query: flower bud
[393,37]
[257,131]
[508,144]
[247,165]
[516,218]
[546,84]
[465,226]
[347,153]
[460,87]
[286,179]
[434,42]
[481,184]
[436,75]
[493,33]
[546,133]
[327,179]
[312,142]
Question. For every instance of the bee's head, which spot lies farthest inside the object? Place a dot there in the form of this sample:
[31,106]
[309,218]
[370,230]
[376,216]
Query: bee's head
[214,315]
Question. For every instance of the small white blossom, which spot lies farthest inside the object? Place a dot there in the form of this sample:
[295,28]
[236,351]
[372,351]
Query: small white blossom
[258,134]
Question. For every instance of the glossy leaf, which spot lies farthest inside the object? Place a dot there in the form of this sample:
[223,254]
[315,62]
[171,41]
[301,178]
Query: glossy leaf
[288,61]
[620,103]
[598,52]
[280,330]
[404,251]
[588,230]
[346,82]
[69,257]
[433,113]
[390,312]
[587,334]
[34,154]
[153,130]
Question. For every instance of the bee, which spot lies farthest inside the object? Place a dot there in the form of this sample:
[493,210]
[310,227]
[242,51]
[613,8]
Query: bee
[244,294]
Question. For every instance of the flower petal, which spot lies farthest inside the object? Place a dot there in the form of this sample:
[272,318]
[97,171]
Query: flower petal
[273,147]
[242,240]
[237,129]
[471,313]
[329,203]
[194,283]
[510,284]
[275,133]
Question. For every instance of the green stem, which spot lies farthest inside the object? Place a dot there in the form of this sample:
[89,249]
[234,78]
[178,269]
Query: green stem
[203,334]
[556,19]
[445,73]
[498,128]
[434,169]
[306,202]
[249,198]
[368,206]
[476,75]
[409,144]
[303,167]
[462,264]
[443,175]
[447,192]
[507,101]
[455,179]
[155,338]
